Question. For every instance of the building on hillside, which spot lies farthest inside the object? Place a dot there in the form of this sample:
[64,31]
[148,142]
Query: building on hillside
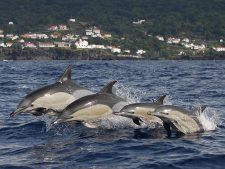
[53,28]
[72,20]
[21,41]
[81,44]
[63,27]
[29,45]
[219,48]
[114,49]
[186,40]
[160,38]
[46,45]
[2,36]
[69,37]
[11,23]
[41,36]
[9,44]
[127,51]
[55,35]
[96,30]
[2,44]
[141,52]
[107,35]
[1,31]
[63,44]
[172,40]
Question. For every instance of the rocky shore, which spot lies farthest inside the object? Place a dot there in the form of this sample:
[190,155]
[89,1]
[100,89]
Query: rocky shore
[69,54]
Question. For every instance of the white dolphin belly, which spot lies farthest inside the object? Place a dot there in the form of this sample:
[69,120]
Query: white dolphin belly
[56,101]
[91,113]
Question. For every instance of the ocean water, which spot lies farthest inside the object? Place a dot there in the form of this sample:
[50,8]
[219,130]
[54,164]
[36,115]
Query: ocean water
[30,142]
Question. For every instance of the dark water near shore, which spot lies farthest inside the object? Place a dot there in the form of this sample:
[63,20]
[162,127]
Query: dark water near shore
[28,142]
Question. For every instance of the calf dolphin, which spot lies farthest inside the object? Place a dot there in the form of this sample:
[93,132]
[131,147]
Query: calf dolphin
[138,112]
[92,107]
[179,120]
[52,98]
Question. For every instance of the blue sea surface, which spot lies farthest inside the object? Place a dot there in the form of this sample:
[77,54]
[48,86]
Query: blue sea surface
[27,141]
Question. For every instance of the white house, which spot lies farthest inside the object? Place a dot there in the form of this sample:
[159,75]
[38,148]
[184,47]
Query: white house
[81,44]
[187,45]
[2,36]
[72,20]
[2,44]
[41,36]
[199,47]
[69,37]
[21,41]
[1,31]
[107,35]
[186,40]
[141,52]
[172,40]
[11,23]
[62,44]
[30,45]
[9,44]
[53,28]
[219,48]
[160,38]
[63,27]
[127,51]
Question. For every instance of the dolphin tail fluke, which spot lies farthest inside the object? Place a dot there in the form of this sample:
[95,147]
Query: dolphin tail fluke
[160,99]
[199,110]
[108,88]
[66,75]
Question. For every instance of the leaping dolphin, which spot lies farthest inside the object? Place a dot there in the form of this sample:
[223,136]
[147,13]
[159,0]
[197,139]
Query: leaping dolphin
[52,98]
[93,107]
[180,120]
[138,112]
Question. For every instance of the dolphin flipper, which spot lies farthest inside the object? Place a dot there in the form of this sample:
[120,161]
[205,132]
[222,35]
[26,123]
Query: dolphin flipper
[167,128]
[66,75]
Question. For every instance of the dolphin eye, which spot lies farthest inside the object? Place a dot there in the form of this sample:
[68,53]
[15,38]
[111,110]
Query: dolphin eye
[131,112]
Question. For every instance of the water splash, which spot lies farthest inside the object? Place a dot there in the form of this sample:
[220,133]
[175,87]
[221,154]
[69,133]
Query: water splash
[168,100]
[130,94]
[209,119]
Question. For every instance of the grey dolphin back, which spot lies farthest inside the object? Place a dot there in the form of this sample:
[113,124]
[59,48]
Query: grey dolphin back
[108,88]
[160,100]
[66,75]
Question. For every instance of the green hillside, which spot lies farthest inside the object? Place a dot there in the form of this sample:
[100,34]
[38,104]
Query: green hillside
[193,18]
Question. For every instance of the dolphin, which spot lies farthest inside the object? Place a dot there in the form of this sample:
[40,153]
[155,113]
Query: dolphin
[52,98]
[179,120]
[138,112]
[93,107]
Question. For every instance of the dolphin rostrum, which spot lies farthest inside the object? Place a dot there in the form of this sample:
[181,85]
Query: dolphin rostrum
[93,107]
[180,120]
[138,112]
[52,98]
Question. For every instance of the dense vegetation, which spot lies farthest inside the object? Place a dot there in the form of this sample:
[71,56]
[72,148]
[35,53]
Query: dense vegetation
[202,18]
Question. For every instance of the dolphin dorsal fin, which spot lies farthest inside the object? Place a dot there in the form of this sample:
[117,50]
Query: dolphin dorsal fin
[108,88]
[199,110]
[66,75]
[160,100]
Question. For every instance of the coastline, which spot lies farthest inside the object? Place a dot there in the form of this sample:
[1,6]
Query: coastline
[68,54]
